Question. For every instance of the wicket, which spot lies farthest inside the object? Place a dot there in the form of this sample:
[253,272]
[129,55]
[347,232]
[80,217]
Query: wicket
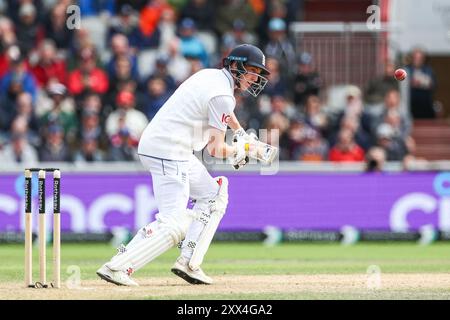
[42,229]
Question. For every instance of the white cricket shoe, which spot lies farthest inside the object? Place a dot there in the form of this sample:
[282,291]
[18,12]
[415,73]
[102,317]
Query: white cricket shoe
[120,278]
[182,269]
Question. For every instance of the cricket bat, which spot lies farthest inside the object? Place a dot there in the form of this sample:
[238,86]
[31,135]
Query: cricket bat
[265,153]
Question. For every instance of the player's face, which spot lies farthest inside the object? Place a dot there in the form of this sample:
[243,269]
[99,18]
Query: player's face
[250,77]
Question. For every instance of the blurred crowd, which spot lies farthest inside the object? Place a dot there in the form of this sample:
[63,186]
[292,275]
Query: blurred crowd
[86,94]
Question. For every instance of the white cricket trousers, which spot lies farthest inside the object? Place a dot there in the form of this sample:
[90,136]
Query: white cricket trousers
[174,182]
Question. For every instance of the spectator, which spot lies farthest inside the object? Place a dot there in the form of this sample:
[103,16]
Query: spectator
[91,103]
[56,28]
[45,99]
[124,128]
[272,9]
[280,47]
[295,137]
[7,32]
[314,115]
[8,107]
[26,118]
[195,65]
[178,66]
[88,77]
[375,159]
[258,6]
[346,150]
[157,94]
[277,125]
[89,151]
[19,151]
[122,76]
[96,7]
[47,65]
[57,116]
[14,8]
[90,125]
[20,126]
[123,146]
[17,79]
[360,120]
[279,104]
[162,71]
[168,28]
[307,80]
[92,128]
[191,46]
[132,87]
[276,86]
[422,83]
[136,5]
[394,147]
[7,40]
[236,36]
[394,119]
[229,10]
[126,119]
[201,11]
[54,149]
[28,30]
[361,136]
[125,23]
[378,88]
[121,49]
[392,105]
[313,148]
[8,100]
[81,42]
[149,19]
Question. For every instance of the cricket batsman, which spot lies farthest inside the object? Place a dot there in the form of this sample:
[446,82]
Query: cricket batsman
[195,116]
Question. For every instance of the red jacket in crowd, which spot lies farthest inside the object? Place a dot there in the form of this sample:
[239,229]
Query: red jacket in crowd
[355,154]
[96,81]
[43,74]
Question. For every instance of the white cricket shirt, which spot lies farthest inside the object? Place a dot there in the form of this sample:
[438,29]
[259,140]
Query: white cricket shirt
[181,125]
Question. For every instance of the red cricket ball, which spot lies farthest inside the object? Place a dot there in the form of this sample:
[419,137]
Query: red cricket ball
[400,74]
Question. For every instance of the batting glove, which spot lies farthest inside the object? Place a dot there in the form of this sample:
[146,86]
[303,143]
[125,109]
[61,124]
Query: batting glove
[240,158]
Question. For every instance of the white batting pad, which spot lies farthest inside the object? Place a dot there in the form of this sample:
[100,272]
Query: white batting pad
[158,240]
[142,234]
[192,235]
[207,234]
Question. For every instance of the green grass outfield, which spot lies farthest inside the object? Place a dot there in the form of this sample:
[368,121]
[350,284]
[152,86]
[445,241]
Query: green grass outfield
[331,264]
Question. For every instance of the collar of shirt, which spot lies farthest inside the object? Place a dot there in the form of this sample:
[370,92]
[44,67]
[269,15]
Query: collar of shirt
[229,76]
